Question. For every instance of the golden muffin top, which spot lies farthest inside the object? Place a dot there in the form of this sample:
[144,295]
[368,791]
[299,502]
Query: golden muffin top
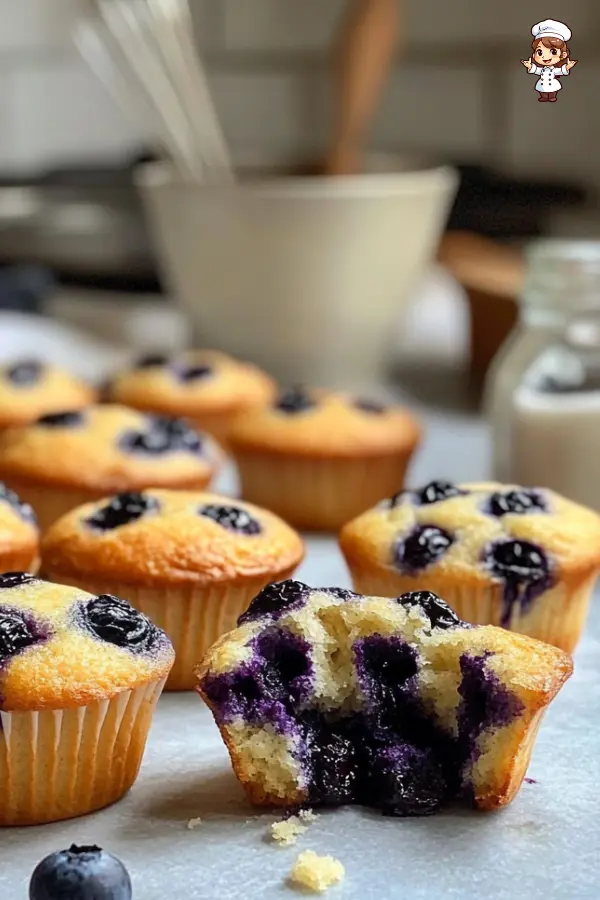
[169,537]
[18,527]
[480,534]
[322,423]
[61,647]
[29,388]
[107,448]
[190,384]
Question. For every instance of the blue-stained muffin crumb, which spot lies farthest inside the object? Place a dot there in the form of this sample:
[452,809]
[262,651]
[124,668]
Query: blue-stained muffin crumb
[390,752]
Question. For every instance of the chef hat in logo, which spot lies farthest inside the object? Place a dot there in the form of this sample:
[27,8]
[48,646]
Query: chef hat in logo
[551,29]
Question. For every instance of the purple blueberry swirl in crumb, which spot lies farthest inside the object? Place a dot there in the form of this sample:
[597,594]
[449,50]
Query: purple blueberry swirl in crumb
[390,751]
[524,570]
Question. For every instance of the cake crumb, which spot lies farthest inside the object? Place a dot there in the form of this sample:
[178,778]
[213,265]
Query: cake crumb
[316,873]
[194,823]
[287,831]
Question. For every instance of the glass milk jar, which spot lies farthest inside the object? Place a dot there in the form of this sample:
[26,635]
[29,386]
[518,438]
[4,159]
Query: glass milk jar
[543,390]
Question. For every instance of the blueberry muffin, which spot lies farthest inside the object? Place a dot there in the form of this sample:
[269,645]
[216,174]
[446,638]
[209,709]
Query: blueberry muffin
[206,387]
[317,459]
[69,458]
[190,561]
[326,697]
[80,676]
[19,536]
[525,559]
[29,389]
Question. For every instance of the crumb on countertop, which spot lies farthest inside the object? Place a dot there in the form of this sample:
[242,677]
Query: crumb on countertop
[287,831]
[194,823]
[316,873]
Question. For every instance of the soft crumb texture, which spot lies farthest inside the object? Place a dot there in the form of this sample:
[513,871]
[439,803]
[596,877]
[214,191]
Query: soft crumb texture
[287,831]
[194,823]
[316,873]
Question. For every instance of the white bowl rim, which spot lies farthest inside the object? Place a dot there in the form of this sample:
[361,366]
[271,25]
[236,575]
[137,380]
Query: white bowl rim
[435,179]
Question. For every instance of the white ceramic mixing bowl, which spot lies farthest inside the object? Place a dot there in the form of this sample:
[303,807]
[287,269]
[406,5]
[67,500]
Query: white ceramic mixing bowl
[306,276]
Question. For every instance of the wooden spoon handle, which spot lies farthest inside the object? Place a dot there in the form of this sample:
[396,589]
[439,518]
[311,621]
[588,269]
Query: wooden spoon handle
[364,56]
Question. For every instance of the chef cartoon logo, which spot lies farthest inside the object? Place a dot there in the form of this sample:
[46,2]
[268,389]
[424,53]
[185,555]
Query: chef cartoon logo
[549,58]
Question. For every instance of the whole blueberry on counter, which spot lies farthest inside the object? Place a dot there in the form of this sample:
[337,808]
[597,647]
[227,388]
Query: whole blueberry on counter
[80,873]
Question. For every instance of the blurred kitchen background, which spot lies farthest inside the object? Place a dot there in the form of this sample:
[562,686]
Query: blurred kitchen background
[458,94]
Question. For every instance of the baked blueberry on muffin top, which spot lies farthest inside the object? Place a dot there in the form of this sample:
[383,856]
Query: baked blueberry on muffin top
[515,543]
[61,646]
[317,458]
[207,387]
[106,448]
[30,388]
[329,697]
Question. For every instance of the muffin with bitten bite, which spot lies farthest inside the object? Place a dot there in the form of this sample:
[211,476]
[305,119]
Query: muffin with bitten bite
[80,676]
[30,388]
[317,458]
[190,561]
[327,697]
[69,458]
[204,386]
[523,558]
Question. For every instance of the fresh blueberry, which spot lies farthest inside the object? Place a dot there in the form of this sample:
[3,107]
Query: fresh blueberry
[25,373]
[22,509]
[517,501]
[294,400]
[370,406]
[121,510]
[151,361]
[163,435]
[436,491]
[67,419]
[193,373]
[231,517]
[14,579]
[440,615]
[275,599]
[425,545]
[17,632]
[117,622]
[80,873]
[406,781]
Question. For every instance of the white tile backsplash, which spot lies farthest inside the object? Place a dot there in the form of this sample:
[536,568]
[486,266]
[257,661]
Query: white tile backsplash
[433,108]
[471,20]
[62,112]
[38,24]
[556,138]
[276,110]
[52,108]
[279,24]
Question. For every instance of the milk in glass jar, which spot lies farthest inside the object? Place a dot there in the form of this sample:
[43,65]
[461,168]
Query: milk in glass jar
[543,390]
